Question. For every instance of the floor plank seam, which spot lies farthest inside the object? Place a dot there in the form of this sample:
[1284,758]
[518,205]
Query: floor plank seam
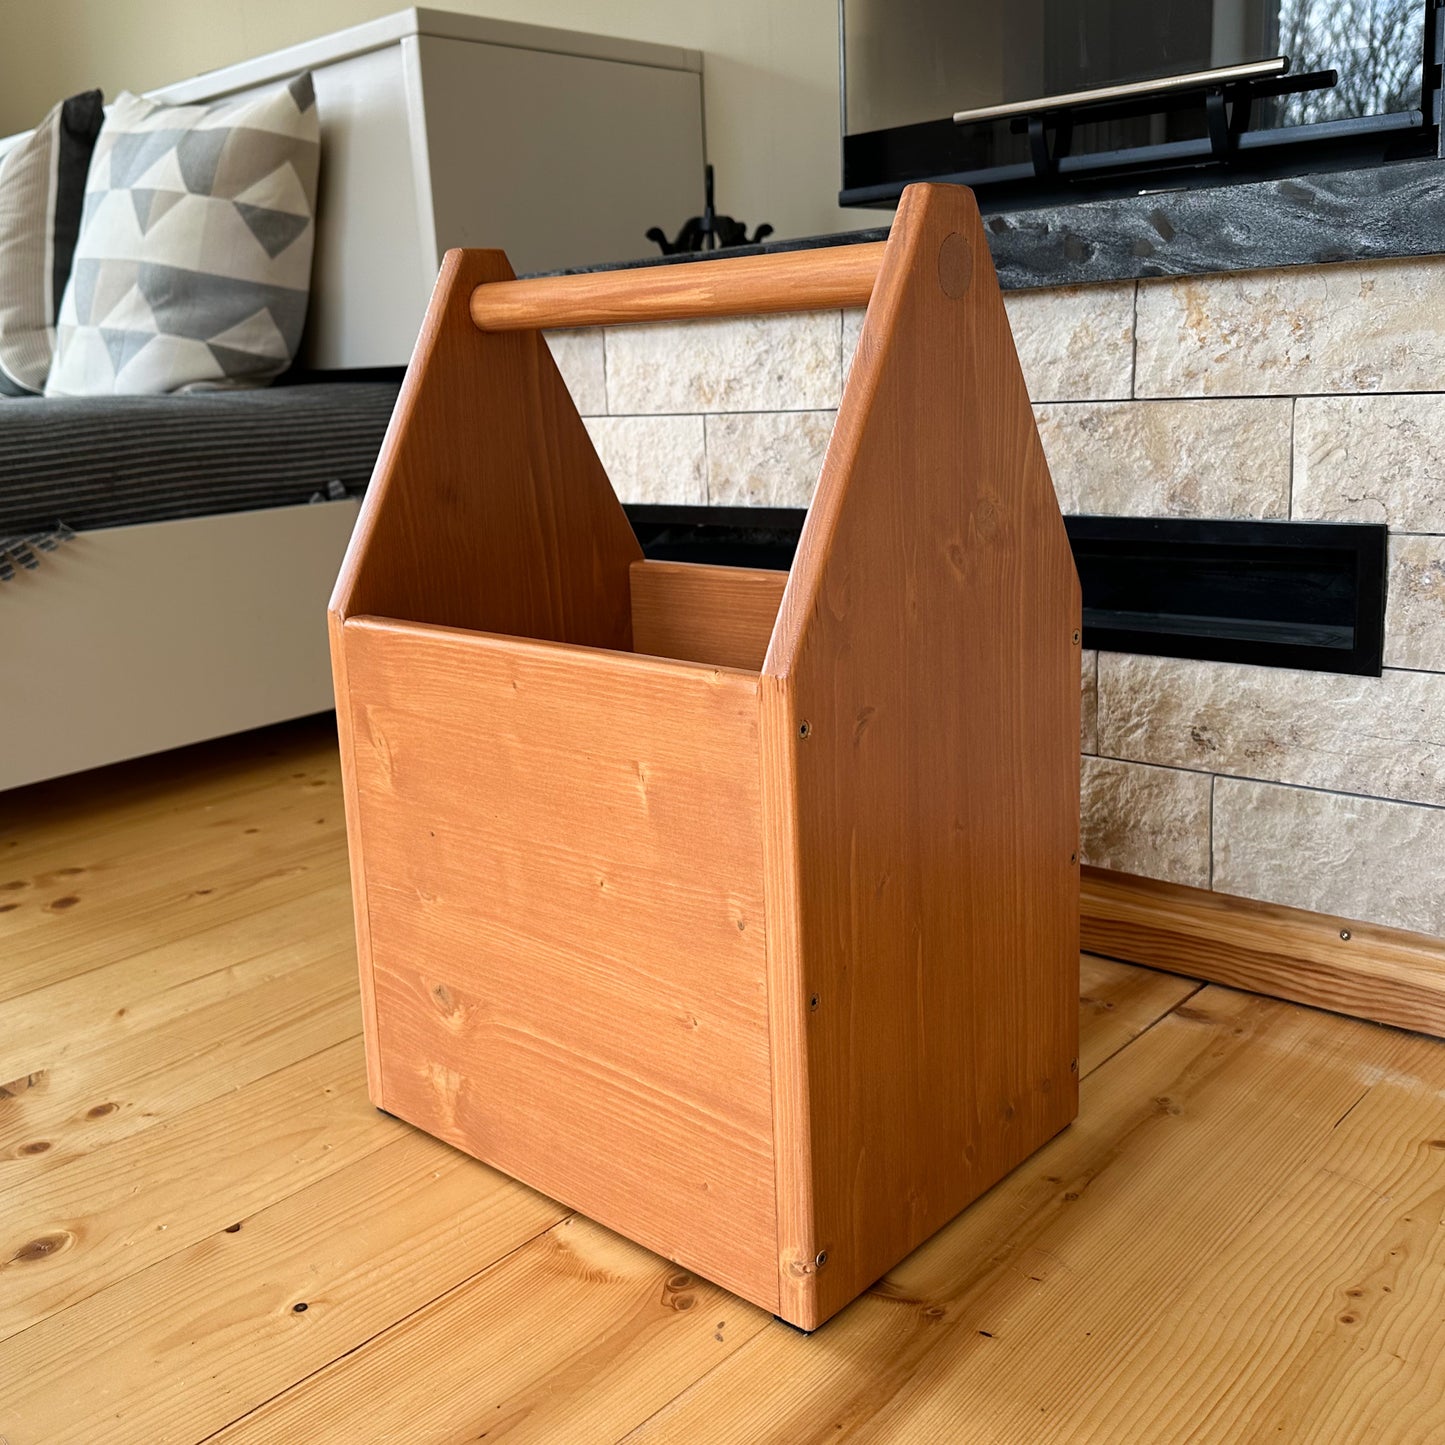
[386,1329]
[1199,987]
[182,1243]
[177,938]
[701,1379]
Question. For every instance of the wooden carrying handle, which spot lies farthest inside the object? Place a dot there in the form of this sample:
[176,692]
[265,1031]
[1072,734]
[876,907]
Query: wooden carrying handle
[816,280]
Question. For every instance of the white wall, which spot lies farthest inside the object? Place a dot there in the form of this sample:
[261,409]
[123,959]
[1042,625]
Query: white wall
[771,81]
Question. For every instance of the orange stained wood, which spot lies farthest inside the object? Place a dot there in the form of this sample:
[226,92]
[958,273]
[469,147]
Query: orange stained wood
[1182,1264]
[722,615]
[921,783]
[488,509]
[1365,969]
[763,949]
[567,927]
[809,280]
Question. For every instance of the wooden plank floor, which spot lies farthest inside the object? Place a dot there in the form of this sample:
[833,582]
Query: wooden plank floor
[207,1233]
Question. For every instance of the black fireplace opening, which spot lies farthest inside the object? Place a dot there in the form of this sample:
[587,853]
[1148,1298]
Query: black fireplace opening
[1274,594]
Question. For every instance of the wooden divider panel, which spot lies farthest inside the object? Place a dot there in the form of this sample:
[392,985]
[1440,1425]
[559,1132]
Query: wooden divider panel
[564,866]
[921,783]
[720,615]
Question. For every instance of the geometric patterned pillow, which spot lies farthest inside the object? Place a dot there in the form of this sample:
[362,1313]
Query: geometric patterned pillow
[193,265]
[42,186]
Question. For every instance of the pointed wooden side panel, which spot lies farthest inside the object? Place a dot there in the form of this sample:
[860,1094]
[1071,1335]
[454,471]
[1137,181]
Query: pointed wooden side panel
[921,784]
[488,509]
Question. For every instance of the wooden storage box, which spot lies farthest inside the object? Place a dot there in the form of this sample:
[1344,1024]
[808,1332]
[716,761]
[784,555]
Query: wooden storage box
[735,909]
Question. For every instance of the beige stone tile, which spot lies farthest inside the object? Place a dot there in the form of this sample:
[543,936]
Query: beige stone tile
[1220,458]
[653,458]
[1075,343]
[1415,604]
[744,363]
[578,355]
[1331,852]
[1384,736]
[766,459]
[1089,701]
[1366,326]
[1371,459]
[1149,821]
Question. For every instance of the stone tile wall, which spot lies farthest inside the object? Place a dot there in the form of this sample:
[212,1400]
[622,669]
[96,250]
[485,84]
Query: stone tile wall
[1316,393]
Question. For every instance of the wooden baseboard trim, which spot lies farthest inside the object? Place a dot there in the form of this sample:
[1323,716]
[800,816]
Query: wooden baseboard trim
[1371,972]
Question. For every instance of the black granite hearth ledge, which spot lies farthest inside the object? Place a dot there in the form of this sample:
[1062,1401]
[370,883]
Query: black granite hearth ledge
[1381,213]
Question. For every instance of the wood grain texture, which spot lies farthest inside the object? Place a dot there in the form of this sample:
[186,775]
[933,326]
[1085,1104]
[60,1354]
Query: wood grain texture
[1237,1241]
[812,280]
[70,1232]
[130,1047]
[623,1329]
[488,508]
[921,710]
[1372,972]
[72,901]
[906,814]
[355,851]
[360,1249]
[1118,1002]
[1182,1264]
[567,926]
[718,615]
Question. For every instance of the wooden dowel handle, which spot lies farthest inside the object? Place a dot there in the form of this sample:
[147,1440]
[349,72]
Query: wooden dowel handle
[817,280]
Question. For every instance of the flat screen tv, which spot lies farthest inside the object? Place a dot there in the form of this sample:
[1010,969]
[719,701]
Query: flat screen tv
[1034,100]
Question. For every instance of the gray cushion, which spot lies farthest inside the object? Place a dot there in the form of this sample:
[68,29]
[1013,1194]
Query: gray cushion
[42,186]
[194,259]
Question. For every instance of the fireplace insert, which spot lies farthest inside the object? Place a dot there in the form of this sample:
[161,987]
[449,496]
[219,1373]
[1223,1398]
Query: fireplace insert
[1276,594]
[1040,99]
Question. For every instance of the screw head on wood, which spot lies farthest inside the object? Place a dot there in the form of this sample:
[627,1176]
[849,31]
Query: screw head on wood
[1345,934]
[1076,638]
[805,729]
[813,1002]
[821,1258]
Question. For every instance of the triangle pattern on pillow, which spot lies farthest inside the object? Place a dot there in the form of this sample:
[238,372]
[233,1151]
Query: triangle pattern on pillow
[257,335]
[193,260]
[275,230]
[124,345]
[278,190]
[237,365]
[162,174]
[131,312]
[150,205]
[199,154]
